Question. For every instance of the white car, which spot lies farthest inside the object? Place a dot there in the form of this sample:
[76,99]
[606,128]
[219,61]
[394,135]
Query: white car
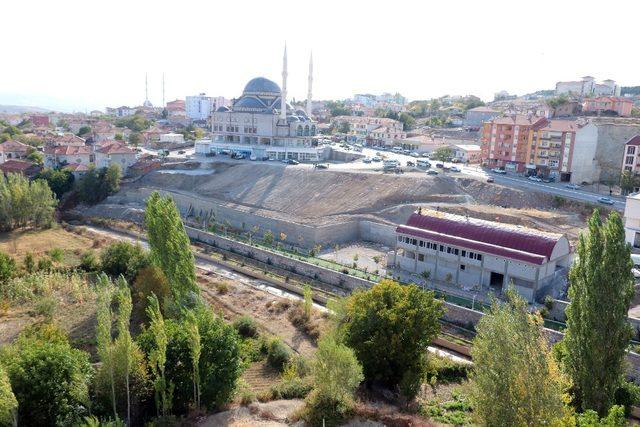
[572,186]
[455,169]
[535,179]
[500,171]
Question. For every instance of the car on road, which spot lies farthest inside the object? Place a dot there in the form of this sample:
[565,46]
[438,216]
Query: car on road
[410,163]
[366,160]
[322,165]
[498,170]
[490,179]
[534,178]
[605,200]
[432,172]
[455,160]
[455,169]
[291,162]
[572,186]
[181,152]
[253,158]
[376,159]
[425,154]
[414,154]
[549,179]
[440,165]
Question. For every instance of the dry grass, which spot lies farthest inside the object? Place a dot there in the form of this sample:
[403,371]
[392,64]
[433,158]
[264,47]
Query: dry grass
[17,243]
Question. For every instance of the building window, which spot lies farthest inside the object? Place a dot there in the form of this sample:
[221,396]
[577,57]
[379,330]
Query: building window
[628,160]
[464,253]
[631,150]
[421,257]
[463,267]
[441,248]
[456,251]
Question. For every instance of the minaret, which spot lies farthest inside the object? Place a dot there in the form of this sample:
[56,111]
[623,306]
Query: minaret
[310,85]
[283,94]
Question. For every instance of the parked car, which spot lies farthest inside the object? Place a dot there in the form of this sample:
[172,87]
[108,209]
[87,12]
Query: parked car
[322,166]
[414,154]
[499,171]
[572,186]
[425,154]
[253,158]
[605,201]
[440,165]
[455,160]
[410,163]
[455,169]
[291,162]
[535,178]
[181,152]
[432,172]
[549,179]
[376,159]
[366,160]
[490,179]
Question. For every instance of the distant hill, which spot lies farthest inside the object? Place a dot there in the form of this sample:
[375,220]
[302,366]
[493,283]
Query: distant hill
[17,109]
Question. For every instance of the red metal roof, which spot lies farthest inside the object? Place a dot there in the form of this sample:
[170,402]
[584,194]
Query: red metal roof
[518,243]
[635,140]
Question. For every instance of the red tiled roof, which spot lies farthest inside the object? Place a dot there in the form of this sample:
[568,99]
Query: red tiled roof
[68,150]
[517,119]
[16,166]
[76,167]
[117,148]
[12,145]
[518,243]
[635,140]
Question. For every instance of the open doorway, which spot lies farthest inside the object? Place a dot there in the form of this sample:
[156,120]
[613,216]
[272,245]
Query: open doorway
[496,281]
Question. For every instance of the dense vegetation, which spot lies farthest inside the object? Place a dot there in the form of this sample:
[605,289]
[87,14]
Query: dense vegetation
[97,184]
[25,203]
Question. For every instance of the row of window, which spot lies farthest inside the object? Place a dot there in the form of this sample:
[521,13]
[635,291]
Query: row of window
[441,248]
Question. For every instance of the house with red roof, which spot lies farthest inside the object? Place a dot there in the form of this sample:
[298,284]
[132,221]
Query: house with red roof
[108,153]
[13,150]
[621,106]
[61,155]
[486,256]
[22,167]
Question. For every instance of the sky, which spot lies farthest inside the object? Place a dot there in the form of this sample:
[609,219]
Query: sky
[84,55]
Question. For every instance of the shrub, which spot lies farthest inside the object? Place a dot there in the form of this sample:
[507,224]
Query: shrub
[295,382]
[299,318]
[548,302]
[123,258]
[49,378]
[447,370]
[45,264]
[56,255]
[89,261]
[222,287]
[28,263]
[150,280]
[7,267]
[246,326]
[278,354]
[46,307]
[8,402]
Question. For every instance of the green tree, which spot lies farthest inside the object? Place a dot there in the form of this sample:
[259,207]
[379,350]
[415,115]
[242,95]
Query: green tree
[598,333]
[615,418]
[170,246]
[35,156]
[25,203]
[84,130]
[150,280]
[7,267]
[336,376]
[195,350]
[516,381]
[267,238]
[126,348]
[97,184]
[104,340]
[407,120]
[443,154]
[60,181]
[629,182]
[390,327]
[158,357]
[123,258]
[135,138]
[49,378]
[8,402]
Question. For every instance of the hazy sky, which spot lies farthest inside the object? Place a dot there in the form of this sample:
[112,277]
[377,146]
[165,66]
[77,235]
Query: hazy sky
[92,54]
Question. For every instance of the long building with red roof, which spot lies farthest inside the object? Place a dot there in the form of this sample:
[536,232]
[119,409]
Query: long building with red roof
[489,256]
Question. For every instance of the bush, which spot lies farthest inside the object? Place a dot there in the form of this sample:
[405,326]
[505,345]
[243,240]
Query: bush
[278,354]
[7,267]
[56,255]
[548,302]
[46,307]
[300,319]
[49,378]
[220,363]
[222,288]
[246,326]
[150,280]
[8,402]
[97,184]
[45,264]
[28,263]
[123,258]
[447,370]
[89,261]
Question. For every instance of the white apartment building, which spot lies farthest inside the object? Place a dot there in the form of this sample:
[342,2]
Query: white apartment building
[482,255]
[199,107]
[632,220]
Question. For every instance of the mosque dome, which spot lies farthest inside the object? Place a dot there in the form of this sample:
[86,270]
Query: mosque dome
[261,85]
[222,109]
[250,102]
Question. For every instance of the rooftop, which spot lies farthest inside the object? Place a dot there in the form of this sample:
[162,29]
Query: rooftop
[520,243]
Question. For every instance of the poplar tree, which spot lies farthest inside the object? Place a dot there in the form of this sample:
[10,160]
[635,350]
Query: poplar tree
[516,381]
[598,332]
[170,245]
[195,349]
[124,344]
[158,356]
[103,334]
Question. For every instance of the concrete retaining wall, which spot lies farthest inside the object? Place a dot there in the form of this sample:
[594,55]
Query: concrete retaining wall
[558,313]
[376,232]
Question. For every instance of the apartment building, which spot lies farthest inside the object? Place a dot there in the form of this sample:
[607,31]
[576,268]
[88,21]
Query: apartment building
[362,129]
[621,106]
[505,141]
[550,148]
[631,162]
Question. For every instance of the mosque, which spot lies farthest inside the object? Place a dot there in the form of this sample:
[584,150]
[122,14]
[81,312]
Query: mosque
[262,124]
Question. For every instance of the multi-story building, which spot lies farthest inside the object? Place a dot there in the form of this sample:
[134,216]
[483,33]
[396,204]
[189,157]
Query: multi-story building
[67,154]
[467,153]
[114,152]
[199,107]
[550,148]
[482,255]
[361,129]
[621,106]
[122,111]
[478,115]
[505,141]
[631,160]
[262,124]
[13,150]
[588,86]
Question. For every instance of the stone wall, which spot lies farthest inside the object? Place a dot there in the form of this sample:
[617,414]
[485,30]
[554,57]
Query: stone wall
[377,232]
[612,135]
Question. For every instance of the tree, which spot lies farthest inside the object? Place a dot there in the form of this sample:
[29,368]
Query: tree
[84,130]
[344,127]
[25,203]
[598,333]
[615,418]
[629,182]
[150,280]
[135,138]
[390,326]
[195,350]
[98,184]
[35,157]
[407,120]
[124,258]
[158,357]
[49,378]
[443,154]
[8,402]
[267,238]
[336,376]
[104,338]
[7,267]
[516,381]
[170,246]
[126,348]
[59,180]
